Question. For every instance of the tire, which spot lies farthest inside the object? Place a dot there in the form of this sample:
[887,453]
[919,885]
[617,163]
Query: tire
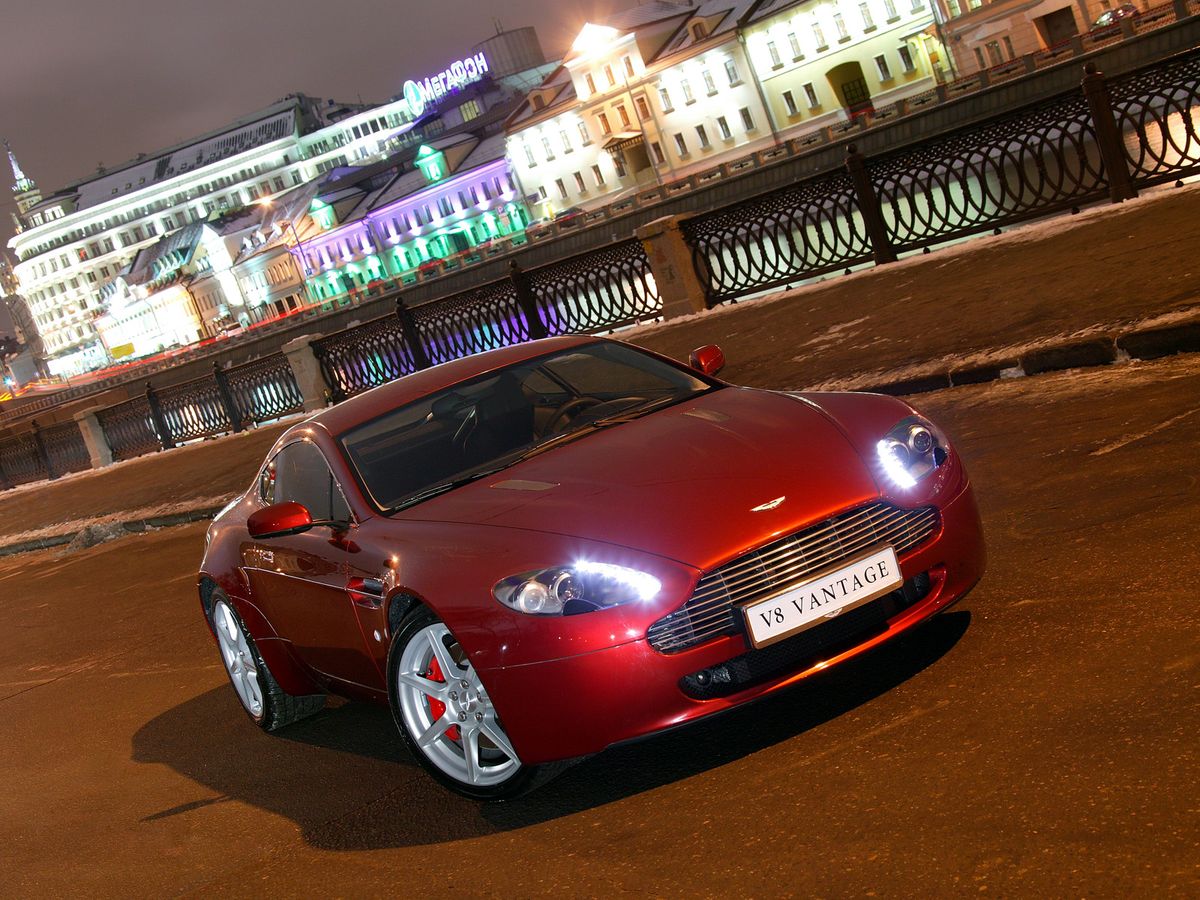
[268,705]
[446,719]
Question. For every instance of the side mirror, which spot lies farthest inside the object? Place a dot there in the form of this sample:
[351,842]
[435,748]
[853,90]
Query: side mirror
[279,520]
[709,359]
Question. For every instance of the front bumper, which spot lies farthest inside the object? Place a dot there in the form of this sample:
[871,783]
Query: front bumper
[579,705]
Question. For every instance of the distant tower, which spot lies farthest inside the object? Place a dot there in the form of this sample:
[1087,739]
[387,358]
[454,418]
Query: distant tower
[24,189]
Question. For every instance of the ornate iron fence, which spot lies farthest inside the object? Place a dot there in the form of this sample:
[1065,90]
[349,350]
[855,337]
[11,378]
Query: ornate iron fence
[129,428]
[65,448]
[263,390]
[192,410]
[360,358]
[20,461]
[1039,161]
[808,229]
[594,291]
[481,319]
[1061,153]
[1157,110]
[597,291]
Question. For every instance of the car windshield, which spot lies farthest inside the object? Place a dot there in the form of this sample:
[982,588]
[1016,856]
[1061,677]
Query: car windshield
[475,428]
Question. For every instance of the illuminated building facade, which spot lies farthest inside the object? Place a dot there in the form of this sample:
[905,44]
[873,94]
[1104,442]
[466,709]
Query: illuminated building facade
[824,61]
[655,93]
[78,239]
[985,35]
[458,194]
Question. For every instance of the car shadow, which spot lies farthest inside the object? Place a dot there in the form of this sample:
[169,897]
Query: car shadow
[344,778]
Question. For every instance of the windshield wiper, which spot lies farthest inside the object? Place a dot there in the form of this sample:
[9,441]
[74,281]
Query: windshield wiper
[441,488]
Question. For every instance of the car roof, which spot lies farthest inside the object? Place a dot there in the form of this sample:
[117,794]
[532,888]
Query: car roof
[366,406]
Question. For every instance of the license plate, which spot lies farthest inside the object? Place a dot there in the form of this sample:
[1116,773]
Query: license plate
[822,597]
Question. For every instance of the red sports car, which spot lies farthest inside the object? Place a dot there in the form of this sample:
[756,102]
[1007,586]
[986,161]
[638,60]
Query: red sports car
[538,552]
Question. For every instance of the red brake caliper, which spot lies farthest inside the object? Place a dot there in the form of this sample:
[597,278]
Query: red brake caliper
[436,707]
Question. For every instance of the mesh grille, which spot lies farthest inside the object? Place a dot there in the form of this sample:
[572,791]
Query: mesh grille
[787,562]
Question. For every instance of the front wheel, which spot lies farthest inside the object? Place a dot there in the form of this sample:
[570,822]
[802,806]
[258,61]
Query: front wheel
[446,718]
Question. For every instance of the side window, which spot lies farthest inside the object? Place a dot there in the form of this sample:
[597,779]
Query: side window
[299,473]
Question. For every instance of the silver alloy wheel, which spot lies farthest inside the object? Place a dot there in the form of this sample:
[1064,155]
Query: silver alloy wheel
[434,711]
[238,657]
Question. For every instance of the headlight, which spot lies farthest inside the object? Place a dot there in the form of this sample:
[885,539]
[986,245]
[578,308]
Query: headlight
[910,451]
[578,588]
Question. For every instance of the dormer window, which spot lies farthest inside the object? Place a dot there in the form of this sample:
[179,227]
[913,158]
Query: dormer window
[699,32]
[539,102]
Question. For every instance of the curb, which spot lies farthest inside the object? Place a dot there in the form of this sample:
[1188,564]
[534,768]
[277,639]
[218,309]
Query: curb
[132,526]
[1087,353]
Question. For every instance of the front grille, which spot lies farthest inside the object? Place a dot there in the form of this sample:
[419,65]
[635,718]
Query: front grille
[787,562]
[804,650]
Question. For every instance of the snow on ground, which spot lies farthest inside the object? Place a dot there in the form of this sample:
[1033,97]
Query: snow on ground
[127,515]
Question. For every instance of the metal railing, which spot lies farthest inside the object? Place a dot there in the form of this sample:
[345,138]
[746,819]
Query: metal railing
[592,292]
[1080,147]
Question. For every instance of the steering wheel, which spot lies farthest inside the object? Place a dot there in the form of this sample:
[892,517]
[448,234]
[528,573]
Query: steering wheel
[571,408]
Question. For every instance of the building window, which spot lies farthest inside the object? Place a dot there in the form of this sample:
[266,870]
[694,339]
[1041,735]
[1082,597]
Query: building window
[591,83]
[732,73]
[1009,47]
[979,58]
[953,7]
[549,150]
[624,115]
[811,93]
[747,118]
[790,102]
[539,102]
[918,5]
[703,136]
[686,87]
[906,60]
[723,126]
[579,185]
[529,156]
[889,9]
[643,108]
[794,44]
[885,74]
[562,188]
[709,85]
[819,36]
[619,164]
[993,49]
[657,150]
[566,141]
[868,20]
[773,52]
[583,134]
[608,74]
[664,97]
[444,207]
[542,192]
[840,24]
[598,175]
[605,127]
[681,144]
[628,66]
[698,31]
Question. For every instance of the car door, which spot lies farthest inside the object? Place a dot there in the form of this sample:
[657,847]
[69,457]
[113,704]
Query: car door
[301,580]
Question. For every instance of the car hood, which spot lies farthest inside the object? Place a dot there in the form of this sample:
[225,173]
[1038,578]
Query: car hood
[697,482]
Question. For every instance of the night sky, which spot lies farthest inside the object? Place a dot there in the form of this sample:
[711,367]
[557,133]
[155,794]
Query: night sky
[84,83]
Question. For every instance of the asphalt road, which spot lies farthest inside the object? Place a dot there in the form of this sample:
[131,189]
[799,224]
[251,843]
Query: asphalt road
[1041,739]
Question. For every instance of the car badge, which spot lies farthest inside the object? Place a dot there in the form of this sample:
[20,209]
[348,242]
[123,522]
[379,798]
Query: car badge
[770,504]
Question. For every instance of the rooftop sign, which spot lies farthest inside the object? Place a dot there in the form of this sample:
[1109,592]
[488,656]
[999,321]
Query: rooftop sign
[459,73]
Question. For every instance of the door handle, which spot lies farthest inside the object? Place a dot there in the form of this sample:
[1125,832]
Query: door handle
[366,592]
